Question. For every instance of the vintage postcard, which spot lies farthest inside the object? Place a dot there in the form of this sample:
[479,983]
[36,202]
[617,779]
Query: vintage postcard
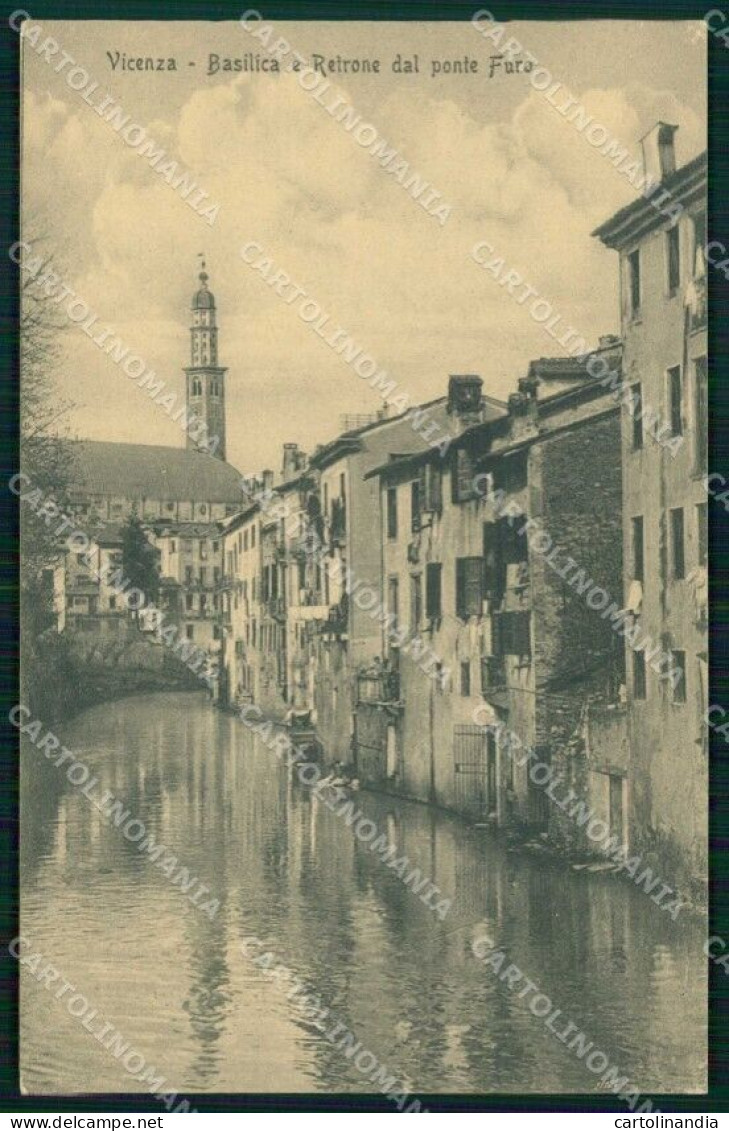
[364,710]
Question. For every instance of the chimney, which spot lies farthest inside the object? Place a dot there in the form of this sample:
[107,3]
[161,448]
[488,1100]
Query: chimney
[290,461]
[524,408]
[464,395]
[267,480]
[659,155]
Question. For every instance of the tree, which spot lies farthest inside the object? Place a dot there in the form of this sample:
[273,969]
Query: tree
[46,462]
[139,561]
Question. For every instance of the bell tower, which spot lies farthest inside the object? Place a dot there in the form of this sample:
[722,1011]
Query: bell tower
[205,378]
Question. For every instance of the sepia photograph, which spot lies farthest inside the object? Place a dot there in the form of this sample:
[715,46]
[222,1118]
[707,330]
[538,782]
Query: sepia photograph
[364,489]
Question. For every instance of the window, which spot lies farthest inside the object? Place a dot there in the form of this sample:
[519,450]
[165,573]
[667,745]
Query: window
[679,676]
[216,632]
[245,539]
[638,554]
[188,575]
[636,408]
[190,631]
[416,601]
[675,399]
[462,476]
[203,575]
[216,574]
[634,283]
[253,537]
[215,547]
[393,596]
[415,505]
[173,546]
[431,488]
[469,587]
[678,555]
[703,532]
[673,259]
[341,485]
[639,684]
[188,601]
[511,634]
[433,572]
[392,512]
[701,413]
[699,226]
[326,500]
[494,571]
[196,392]
[466,677]
[112,602]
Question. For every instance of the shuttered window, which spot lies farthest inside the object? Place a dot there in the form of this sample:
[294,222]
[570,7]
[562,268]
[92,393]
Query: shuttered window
[514,546]
[392,512]
[701,422]
[511,635]
[431,487]
[415,505]
[675,400]
[494,581]
[678,552]
[462,476]
[470,573]
[433,572]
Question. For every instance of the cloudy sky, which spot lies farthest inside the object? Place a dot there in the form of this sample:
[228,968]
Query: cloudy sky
[287,175]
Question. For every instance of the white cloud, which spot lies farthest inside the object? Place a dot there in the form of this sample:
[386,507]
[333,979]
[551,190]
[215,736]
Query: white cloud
[286,174]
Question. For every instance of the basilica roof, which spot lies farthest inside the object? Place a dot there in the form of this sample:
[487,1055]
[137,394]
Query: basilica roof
[152,471]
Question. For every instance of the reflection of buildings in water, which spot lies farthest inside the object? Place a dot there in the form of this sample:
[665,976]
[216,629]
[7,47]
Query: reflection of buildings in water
[41,790]
[290,871]
[209,998]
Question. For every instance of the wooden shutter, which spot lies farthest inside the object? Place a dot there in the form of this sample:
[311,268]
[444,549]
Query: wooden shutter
[514,546]
[462,476]
[493,585]
[432,590]
[433,488]
[702,414]
[469,587]
[515,635]
[497,648]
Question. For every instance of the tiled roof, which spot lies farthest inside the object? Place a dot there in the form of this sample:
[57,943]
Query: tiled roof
[185,529]
[642,214]
[152,471]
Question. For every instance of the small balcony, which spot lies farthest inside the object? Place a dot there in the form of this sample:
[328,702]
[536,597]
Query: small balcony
[381,689]
[493,674]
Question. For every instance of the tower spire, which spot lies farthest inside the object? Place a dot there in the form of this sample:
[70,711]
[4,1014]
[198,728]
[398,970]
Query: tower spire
[205,378]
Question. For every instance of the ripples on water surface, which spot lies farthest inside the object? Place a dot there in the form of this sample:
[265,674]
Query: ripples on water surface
[287,870]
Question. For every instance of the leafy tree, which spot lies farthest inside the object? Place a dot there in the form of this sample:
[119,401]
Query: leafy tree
[44,460]
[139,560]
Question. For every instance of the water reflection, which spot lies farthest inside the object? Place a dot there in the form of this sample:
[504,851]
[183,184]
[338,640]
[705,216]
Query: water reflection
[286,870]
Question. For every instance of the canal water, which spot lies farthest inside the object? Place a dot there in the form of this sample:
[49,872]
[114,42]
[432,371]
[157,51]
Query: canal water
[183,993]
